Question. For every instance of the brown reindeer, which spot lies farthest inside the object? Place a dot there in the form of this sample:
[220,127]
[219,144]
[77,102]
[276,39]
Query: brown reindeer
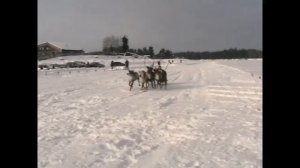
[133,76]
[144,79]
[150,76]
[160,77]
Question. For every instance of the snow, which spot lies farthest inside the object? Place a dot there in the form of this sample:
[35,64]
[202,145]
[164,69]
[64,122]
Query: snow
[209,116]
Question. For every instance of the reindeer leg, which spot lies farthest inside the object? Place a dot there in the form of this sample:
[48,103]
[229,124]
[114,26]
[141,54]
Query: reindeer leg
[130,86]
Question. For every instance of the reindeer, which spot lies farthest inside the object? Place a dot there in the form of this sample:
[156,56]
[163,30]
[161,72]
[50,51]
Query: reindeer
[133,76]
[150,76]
[143,78]
[160,77]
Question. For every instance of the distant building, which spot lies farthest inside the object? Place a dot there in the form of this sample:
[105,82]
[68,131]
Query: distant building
[50,49]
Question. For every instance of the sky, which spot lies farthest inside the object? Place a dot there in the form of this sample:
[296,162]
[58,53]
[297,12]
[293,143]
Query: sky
[177,25]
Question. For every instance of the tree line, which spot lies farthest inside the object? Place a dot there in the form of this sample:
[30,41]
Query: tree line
[114,45]
[225,54]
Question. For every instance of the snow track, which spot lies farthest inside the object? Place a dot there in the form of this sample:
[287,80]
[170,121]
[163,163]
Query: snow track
[205,118]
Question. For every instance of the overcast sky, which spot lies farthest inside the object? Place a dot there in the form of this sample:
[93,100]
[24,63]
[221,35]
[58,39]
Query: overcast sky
[178,25]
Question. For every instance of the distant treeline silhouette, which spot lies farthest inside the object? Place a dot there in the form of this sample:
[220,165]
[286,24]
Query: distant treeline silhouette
[225,54]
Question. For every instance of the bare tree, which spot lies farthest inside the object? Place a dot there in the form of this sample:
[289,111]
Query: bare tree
[111,43]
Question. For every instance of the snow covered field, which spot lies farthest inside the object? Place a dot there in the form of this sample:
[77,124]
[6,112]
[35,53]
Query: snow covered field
[209,116]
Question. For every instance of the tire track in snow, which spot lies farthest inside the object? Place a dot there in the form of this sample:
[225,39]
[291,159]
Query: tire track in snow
[230,87]
[246,92]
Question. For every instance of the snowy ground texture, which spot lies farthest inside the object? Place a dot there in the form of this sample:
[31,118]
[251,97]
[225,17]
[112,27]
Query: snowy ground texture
[210,116]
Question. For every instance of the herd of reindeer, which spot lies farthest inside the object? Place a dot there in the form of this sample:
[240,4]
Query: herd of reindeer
[154,76]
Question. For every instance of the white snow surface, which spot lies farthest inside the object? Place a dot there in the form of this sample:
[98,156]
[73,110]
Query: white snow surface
[210,116]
